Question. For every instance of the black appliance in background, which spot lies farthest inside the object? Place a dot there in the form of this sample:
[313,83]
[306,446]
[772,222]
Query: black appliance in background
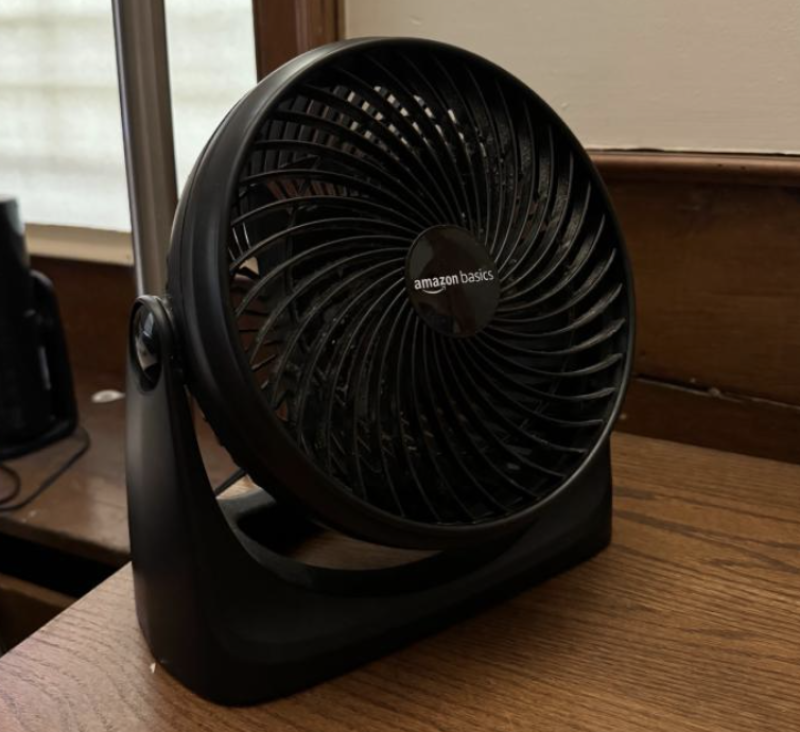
[37,399]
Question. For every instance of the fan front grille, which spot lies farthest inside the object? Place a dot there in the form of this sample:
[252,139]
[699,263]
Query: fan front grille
[349,168]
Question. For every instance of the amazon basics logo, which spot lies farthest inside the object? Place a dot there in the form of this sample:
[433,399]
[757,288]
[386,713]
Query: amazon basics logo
[436,285]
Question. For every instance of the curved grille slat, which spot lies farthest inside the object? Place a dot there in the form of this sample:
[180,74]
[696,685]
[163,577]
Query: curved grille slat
[428,135]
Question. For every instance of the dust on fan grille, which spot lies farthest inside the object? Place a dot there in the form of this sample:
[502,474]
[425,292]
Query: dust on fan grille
[346,172]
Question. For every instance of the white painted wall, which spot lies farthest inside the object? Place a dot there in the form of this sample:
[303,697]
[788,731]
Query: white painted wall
[707,75]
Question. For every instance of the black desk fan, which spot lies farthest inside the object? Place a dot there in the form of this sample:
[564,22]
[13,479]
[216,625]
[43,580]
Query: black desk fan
[399,294]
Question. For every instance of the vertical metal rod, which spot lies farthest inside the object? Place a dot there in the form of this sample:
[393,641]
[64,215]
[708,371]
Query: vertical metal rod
[144,90]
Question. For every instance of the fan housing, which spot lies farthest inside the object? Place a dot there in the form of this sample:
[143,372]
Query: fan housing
[423,285]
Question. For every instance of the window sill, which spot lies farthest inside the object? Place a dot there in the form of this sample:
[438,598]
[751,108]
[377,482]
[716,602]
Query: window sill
[78,243]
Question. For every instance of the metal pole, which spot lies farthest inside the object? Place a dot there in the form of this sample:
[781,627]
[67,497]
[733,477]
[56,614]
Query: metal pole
[143,69]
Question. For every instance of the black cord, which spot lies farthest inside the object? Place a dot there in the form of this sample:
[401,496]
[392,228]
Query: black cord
[238,474]
[17,483]
[6,506]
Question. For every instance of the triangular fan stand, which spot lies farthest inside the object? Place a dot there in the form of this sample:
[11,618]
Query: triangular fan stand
[239,623]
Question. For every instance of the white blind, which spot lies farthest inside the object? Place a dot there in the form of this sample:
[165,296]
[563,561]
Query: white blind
[61,149]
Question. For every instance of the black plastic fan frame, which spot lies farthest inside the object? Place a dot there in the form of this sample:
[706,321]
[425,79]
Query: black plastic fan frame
[217,369]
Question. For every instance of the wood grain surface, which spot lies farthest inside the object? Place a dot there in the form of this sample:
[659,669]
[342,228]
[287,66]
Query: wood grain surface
[716,270]
[24,608]
[689,621]
[95,302]
[713,244]
[84,513]
[726,168]
[284,29]
[709,418]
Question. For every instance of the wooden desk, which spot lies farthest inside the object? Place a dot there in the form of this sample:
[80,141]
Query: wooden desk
[84,514]
[690,621]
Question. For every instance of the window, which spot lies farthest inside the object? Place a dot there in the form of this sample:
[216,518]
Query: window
[61,150]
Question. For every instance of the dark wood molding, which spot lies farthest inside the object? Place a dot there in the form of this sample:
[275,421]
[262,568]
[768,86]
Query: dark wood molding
[713,419]
[715,264]
[95,301]
[730,169]
[715,268]
[286,28]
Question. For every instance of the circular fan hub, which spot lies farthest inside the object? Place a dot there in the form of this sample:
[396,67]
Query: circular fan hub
[452,281]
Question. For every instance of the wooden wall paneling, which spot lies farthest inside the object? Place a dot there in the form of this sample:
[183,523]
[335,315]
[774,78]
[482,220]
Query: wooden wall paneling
[716,258]
[95,301]
[727,168]
[716,269]
[716,254]
[712,419]
[286,28]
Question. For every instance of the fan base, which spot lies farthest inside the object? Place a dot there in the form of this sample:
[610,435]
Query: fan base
[240,623]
